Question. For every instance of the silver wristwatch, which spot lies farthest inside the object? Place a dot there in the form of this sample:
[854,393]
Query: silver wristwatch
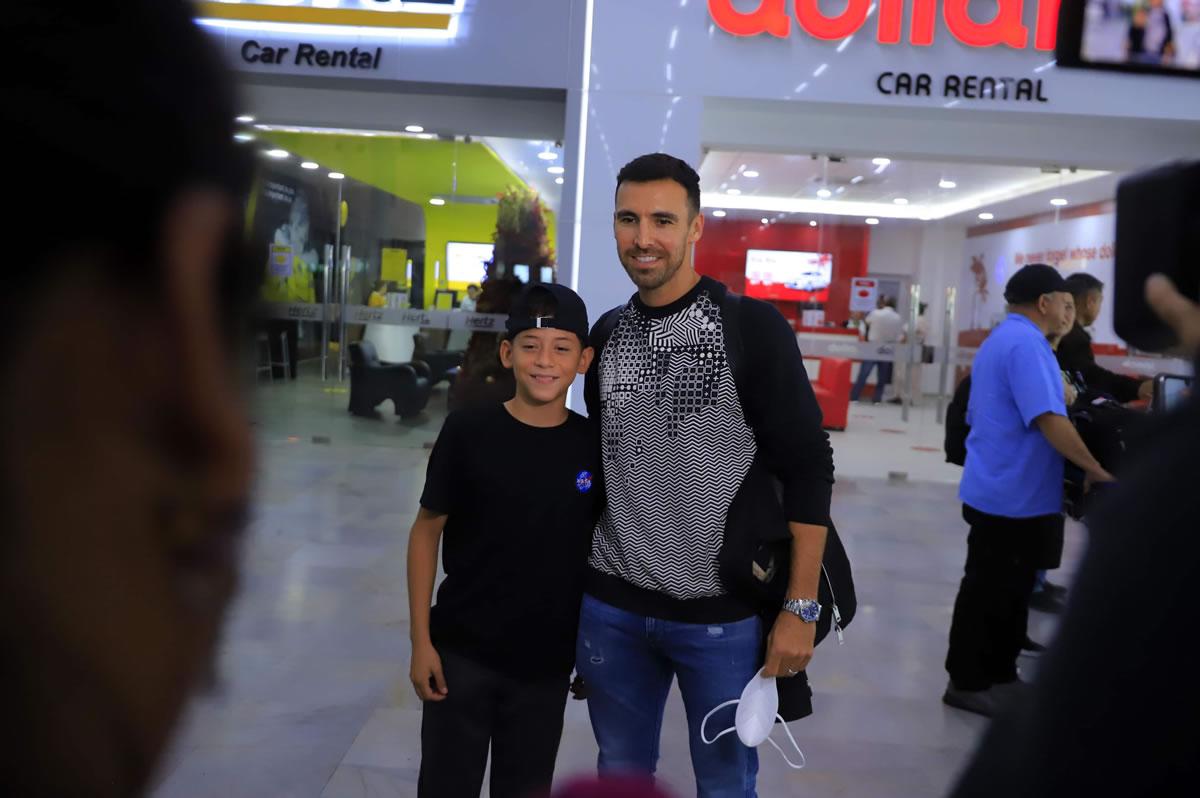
[807,610]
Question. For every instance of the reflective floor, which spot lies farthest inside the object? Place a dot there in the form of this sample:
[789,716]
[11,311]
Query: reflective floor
[315,699]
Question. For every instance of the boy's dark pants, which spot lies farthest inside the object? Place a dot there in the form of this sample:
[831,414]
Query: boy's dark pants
[521,721]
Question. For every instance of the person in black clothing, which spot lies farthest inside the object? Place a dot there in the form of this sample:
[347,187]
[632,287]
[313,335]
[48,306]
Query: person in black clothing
[679,437]
[1075,354]
[1113,709]
[515,489]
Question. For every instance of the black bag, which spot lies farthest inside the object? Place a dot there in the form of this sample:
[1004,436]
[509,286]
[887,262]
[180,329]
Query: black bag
[957,428]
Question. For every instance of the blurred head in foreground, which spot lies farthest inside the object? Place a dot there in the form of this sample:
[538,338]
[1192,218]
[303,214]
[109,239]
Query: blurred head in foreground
[125,457]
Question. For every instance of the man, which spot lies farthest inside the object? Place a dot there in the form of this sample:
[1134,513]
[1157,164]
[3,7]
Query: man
[1012,488]
[1075,349]
[679,435]
[884,326]
[1143,544]
[471,301]
[125,451]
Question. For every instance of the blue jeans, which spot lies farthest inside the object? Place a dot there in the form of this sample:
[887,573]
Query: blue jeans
[628,662]
[864,372]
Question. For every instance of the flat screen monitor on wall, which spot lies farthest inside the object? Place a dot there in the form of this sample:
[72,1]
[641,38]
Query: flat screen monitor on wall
[521,272]
[466,262]
[787,276]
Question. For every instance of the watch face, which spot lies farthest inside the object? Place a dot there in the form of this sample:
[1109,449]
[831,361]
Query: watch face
[811,612]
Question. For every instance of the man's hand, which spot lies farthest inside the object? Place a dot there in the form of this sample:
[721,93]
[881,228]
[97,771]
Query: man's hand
[1098,476]
[427,666]
[1180,313]
[1146,390]
[789,646]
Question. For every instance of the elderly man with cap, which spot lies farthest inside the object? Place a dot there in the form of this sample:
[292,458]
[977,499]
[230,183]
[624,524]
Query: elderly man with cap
[1011,488]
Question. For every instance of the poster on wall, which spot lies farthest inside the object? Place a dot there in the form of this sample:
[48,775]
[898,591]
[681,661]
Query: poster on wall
[1084,244]
[864,294]
[787,276]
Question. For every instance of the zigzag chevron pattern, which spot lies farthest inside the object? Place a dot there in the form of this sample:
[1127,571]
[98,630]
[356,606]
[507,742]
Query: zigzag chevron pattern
[676,447]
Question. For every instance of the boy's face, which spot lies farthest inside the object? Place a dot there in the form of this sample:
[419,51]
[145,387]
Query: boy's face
[545,363]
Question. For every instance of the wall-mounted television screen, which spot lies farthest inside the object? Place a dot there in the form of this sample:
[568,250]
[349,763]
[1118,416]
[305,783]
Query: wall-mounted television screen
[787,276]
[466,262]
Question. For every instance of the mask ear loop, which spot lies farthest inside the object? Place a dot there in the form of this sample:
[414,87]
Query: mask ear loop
[791,764]
[710,714]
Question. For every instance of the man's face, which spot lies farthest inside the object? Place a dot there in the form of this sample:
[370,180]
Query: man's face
[1089,309]
[655,230]
[1054,309]
[545,362]
[473,292]
[127,470]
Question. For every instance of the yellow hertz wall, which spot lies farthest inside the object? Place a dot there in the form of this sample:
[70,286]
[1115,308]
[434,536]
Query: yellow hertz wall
[471,223]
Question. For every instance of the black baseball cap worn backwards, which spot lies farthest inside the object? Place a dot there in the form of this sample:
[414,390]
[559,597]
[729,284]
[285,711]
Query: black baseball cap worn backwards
[1033,281]
[570,313]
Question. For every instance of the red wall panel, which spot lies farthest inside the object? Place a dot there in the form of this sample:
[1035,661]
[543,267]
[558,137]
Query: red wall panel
[721,254]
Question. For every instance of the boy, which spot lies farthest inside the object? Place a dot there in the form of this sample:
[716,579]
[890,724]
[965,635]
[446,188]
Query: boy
[513,486]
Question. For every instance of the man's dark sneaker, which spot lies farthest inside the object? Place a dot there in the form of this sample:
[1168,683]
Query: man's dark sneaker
[1044,601]
[1031,646]
[980,702]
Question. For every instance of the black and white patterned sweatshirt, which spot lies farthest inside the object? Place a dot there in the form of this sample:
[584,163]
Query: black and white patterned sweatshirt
[677,444]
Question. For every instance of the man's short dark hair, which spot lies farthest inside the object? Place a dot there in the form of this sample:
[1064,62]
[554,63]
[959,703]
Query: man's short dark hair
[660,166]
[1080,284]
[889,302]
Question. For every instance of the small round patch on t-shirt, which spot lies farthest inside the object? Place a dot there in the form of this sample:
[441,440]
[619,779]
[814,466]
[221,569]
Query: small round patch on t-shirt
[583,482]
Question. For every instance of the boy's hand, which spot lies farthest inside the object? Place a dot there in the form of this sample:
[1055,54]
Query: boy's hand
[426,673]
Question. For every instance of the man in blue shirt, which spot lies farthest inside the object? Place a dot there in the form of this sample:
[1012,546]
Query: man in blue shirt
[1012,487]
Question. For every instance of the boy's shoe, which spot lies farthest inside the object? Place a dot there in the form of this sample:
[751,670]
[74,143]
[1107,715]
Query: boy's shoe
[979,702]
[1057,591]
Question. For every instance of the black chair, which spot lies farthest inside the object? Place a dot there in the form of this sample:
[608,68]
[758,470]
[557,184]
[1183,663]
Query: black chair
[441,362]
[371,381]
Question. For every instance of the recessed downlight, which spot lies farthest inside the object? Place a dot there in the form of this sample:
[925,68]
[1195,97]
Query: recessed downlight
[734,191]
[857,179]
[813,223]
[548,155]
[336,176]
[414,129]
[558,180]
[310,165]
[1058,202]
[720,214]
[765,220]
[872,220]
[437,201]
[555,170]
[947,184]
[900,201]
[987,217]
[245,119]
[824,193]
[243,137]
[881,161]
[280,154]
[749,173]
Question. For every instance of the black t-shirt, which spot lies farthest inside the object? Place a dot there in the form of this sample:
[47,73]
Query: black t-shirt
[521,503]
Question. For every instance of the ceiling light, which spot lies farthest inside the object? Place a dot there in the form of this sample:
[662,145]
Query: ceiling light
[555,170]
[872,220]
[813,223]
[277,153]
[857,179]
[947,184]
[720,214]
[1058,202]
[243,137]
[824,193]
[426,136]
[547,155]
[734,191]
[310,165]
[765,220]
[900,201]
[437,201]
[245,119]
[336,176]
[414,129]
[750,173]
[881,161]
[558,180]
[987,217]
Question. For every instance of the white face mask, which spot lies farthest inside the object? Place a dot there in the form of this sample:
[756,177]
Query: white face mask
[757,710]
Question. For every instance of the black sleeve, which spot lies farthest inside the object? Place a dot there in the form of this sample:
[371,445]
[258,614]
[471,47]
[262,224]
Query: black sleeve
[439,475]
[783,411]
[1075,356]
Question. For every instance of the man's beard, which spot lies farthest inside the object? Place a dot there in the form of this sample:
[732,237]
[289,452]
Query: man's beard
[651,280]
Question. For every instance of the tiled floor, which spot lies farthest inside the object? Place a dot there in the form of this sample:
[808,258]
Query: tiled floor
[315,700]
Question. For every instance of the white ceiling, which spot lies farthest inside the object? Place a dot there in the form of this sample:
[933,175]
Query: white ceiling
[521,156]
[789,184]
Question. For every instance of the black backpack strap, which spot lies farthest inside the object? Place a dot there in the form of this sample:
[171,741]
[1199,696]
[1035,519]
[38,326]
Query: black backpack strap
[602,330]
[735,352]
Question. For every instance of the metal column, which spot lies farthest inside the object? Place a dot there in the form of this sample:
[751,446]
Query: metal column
[326,304]
[345,299]
[947,353]
[914,314]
